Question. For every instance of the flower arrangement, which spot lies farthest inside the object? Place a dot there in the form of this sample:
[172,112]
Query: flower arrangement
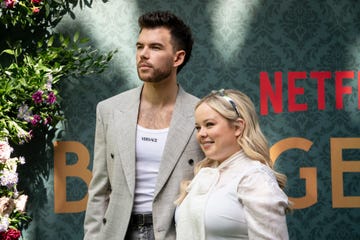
[29,103]
[12,202]
[34,58]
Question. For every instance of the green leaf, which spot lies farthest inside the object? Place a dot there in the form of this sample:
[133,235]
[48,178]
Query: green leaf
[51,41]
[8,51]
[76,37]
[84,40]
[47,9]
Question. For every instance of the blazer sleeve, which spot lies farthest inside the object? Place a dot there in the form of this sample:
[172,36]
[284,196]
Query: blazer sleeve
[99,188]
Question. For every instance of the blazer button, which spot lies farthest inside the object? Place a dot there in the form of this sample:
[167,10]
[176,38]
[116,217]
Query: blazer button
[191,162]
[104,220]
[112,155]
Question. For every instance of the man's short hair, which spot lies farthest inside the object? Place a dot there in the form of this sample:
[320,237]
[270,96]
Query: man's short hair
[180,33]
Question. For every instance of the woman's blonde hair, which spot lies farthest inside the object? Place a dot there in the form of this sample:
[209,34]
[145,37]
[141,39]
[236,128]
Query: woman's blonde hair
[233,104]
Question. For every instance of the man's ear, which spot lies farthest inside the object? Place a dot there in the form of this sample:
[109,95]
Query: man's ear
[239,127]
[179,58]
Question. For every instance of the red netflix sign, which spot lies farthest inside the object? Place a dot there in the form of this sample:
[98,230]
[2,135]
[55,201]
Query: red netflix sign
[272,91]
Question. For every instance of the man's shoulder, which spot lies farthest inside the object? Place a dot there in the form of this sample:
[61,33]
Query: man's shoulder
[122,98]
[188,96]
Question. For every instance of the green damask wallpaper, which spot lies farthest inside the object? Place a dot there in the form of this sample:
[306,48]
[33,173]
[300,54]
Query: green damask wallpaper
[235,40]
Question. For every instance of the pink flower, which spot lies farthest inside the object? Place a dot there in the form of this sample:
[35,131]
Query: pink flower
[51,98]
[35,9]
[31,134]
[36,1]
[5,151]
[37,96]
[10,3]
[11,234]
[35,120]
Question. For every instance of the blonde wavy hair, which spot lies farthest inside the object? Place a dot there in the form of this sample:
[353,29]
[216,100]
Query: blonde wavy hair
[252,140]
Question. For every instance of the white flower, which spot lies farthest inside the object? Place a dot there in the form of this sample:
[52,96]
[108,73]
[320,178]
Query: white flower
[4,223]
[20,203]
[21,160]
[21,133]
[5,151]
[48,84]
[24,113]
[11,164]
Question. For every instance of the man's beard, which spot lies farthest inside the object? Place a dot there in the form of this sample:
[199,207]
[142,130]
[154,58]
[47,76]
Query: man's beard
[156,75]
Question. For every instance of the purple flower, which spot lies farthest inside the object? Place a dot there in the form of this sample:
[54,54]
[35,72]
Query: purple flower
[24,113]
[35,120]
[47,121]
[51,98]
[37,96]
[8,178]
[4,223]
[31,134]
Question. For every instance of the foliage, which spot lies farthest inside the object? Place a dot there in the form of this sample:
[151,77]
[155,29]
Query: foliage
[34,58]
[29,99]
[34,66]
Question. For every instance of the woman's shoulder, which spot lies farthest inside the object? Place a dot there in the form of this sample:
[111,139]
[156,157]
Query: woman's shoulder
[251,169]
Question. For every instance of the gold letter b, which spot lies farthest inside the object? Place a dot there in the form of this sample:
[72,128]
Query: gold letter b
[62,170]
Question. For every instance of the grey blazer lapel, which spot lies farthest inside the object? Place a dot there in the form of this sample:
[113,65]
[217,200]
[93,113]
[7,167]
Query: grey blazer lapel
[126,121]
[181,128]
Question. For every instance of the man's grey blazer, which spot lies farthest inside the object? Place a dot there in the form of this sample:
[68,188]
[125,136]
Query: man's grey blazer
[111,191]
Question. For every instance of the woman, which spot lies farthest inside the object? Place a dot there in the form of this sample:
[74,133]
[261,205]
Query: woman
[235,193]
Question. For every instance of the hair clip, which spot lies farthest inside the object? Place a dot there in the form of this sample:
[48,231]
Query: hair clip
[222,93]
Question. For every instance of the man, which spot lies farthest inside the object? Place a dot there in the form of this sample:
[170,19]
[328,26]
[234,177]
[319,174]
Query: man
[144,141]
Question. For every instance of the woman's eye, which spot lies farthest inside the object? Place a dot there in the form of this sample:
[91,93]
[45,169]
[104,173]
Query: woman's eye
[209,124]
[197,128]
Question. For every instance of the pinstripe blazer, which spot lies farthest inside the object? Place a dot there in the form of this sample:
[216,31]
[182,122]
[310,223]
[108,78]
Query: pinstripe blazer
[111,190]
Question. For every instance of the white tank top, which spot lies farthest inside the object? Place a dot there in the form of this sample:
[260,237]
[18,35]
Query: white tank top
[149,149]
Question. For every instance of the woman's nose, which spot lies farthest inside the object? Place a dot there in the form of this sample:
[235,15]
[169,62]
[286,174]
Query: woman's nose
[202,132]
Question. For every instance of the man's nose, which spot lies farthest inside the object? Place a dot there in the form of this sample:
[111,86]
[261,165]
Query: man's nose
[144,52]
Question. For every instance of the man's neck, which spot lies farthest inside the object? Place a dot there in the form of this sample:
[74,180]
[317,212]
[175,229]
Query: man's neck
[159,94]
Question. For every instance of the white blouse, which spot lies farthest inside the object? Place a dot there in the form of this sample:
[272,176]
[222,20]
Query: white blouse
[240,199]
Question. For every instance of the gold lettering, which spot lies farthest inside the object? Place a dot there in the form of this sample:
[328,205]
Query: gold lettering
[308,174]
[62,170]
[338,167]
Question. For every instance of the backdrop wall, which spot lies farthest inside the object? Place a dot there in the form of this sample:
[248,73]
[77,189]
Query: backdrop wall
[299,61]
